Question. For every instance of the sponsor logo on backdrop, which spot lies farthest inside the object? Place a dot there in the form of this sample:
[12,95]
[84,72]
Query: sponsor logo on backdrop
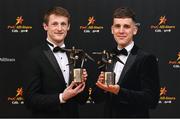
[5,59]
[162,25]
[176,62]
[164,96]
[19,27]
[18,98]
[91,26]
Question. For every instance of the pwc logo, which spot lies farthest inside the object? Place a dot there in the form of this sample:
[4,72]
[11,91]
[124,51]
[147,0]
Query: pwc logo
[164,97]
[91,27]
[18,98]
[162,25]
[19,27]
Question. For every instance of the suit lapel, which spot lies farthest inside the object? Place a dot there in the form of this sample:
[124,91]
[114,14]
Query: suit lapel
[48,53]
[129,63]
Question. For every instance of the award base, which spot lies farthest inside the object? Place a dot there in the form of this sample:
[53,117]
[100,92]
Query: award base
[77,73]
[109,78]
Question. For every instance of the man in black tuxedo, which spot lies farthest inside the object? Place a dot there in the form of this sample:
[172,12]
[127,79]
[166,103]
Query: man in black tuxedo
[49,89]
[136,88]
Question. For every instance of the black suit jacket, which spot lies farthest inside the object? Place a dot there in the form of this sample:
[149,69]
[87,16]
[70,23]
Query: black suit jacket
[139,87]
[43,83]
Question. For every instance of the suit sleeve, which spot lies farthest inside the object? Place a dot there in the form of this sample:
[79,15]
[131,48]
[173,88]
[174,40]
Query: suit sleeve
[35,99]
[148,95]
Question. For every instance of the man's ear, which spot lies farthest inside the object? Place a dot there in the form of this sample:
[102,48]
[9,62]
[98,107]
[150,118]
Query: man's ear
[112,29]
[135,30]
[45,26]
[69,27]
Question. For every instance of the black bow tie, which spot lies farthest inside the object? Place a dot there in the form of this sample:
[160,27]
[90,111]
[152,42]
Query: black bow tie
[58,49]
[121,52]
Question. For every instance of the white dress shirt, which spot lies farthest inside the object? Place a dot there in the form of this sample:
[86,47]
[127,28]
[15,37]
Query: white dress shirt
[62,60]
[119,66]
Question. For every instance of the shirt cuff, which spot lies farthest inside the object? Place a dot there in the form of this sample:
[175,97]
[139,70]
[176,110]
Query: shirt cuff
[61,100]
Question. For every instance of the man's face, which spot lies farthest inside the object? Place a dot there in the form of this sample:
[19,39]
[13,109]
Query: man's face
[57,28]
[123,30]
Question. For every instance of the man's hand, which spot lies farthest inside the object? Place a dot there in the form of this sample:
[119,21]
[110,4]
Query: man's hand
[110,88]
[75,88]
[70,91]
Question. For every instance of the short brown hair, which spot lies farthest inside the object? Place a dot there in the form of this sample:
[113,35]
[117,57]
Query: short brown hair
[124,12]
[57,11]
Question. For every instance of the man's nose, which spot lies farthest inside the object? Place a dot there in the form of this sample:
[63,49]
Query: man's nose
[121,29]
[59,27]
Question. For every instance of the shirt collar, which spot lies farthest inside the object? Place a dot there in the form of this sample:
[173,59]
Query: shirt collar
[54,45]
[128,47]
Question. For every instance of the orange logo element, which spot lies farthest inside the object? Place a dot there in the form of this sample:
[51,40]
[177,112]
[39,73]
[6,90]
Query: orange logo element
[162,20]
[19,92]
[163,91]
[19,20]
[178,59]
[91,20]
[18,99]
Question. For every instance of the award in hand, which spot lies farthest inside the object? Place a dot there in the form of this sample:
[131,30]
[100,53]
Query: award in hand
[105,63]
[78,57]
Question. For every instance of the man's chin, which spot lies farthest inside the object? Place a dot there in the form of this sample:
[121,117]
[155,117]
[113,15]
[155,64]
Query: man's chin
[60,40]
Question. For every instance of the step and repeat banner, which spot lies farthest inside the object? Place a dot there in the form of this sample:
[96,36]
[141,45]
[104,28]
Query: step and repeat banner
[21,30]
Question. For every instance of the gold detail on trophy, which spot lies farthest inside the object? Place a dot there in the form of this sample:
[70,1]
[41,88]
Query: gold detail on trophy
[109,78]
[78,75]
